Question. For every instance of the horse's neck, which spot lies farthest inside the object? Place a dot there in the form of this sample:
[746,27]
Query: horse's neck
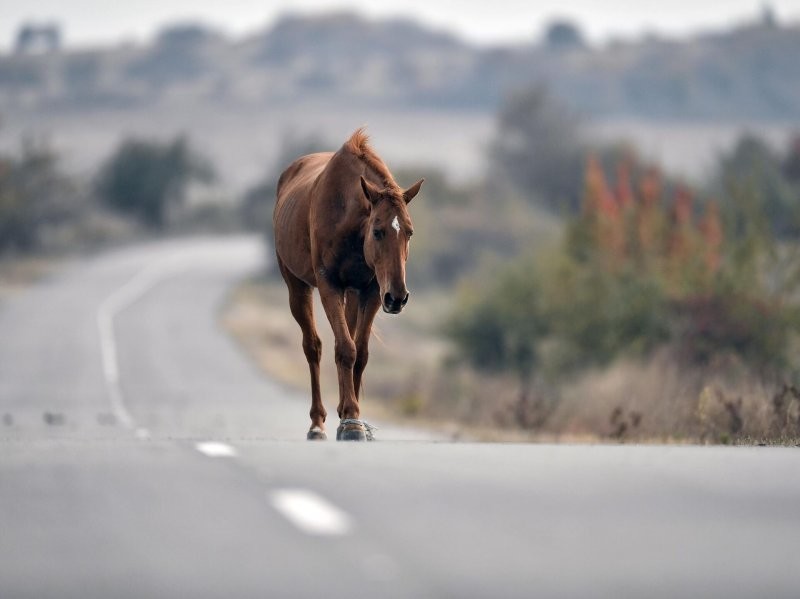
[351,221]
[341,176]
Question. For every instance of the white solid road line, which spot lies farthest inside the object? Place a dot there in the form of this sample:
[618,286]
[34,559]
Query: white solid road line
[311,513]
[125,296]
[215,449]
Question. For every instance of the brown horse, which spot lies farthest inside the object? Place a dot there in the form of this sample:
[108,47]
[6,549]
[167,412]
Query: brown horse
[342,226]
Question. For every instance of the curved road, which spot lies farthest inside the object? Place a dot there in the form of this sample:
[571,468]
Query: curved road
[141,455]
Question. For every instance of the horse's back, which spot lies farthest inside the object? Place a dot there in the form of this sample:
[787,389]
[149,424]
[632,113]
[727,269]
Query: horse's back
[291,216]
[296,181]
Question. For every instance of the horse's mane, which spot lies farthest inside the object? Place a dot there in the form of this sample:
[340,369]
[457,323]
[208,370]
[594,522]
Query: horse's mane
[358,145]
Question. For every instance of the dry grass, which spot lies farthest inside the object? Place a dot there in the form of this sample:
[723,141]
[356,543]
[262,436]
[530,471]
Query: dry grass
[652,401]
[18,273]
[404,381]
[404,350]
[409,377]
[660,400]
[630,399]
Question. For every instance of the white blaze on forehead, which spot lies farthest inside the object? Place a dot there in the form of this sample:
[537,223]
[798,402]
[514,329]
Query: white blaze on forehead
[396,224]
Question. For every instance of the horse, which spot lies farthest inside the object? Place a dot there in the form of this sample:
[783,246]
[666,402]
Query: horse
[341,225]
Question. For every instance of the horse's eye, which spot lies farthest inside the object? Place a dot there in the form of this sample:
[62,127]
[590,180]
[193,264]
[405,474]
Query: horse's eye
[378,234]
[410,233]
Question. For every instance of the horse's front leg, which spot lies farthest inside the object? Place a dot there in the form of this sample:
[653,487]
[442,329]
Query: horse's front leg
[369,304]
[345,353]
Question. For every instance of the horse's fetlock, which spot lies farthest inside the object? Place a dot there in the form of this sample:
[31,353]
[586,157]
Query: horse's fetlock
[318,415]
[350,409]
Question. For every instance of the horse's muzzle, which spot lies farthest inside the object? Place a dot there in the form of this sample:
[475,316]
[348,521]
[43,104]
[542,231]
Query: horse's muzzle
[393,305]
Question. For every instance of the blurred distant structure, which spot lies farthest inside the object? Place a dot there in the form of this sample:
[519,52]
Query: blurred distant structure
[38,39]
[747,72]
[180,55]
[768,17]
[564,35]
[322,73]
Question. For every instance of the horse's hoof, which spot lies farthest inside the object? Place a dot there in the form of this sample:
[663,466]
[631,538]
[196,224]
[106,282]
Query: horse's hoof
[351,432]
[351,429]
[316,434]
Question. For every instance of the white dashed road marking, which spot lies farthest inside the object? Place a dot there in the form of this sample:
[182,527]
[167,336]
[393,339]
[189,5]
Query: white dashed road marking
[125,296]
[306,510]
[214,449]
[311,513]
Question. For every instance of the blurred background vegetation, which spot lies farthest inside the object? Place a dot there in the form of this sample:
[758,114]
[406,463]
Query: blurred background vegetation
[607,240]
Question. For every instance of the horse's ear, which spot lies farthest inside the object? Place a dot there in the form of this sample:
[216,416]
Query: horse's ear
[371,192]
[409,193]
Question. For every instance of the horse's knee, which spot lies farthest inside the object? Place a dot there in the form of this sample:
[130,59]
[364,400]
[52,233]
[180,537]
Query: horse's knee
[345,353]
[312,347]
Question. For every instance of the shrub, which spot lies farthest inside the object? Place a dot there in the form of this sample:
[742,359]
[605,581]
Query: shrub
[772,180]
[145,179]
[498,326]
[640,267]
[595,316]
[35,198]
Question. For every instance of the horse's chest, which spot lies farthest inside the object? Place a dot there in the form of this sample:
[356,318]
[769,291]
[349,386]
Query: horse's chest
[353,270]
[348,265]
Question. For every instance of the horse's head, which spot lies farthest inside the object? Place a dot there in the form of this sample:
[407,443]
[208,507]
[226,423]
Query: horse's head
[388,230]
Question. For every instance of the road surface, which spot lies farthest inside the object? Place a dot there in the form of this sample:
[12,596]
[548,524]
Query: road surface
[142,455]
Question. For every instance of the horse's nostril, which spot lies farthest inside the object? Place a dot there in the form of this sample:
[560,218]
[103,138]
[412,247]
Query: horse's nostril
[392,303]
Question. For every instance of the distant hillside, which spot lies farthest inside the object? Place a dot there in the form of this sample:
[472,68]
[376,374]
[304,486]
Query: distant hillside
[751,72]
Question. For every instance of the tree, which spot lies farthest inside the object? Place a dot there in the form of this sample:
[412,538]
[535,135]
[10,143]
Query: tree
[644,269]
[638,269]
[562,35]
[754,168]
[791,163]
[146,178]
[538,150]
[34,195]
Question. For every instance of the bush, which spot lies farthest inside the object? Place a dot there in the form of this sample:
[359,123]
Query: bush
[755,329]
[597,316]
[498,326]
[640,268]
[772,180]
[144,179]
[35,198]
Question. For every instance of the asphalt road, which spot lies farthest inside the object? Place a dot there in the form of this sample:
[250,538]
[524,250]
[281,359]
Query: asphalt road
[142,455]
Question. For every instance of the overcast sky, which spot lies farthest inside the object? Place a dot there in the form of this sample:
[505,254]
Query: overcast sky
[91,22]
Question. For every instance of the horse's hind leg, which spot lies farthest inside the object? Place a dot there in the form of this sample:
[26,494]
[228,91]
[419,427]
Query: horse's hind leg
[302,307]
